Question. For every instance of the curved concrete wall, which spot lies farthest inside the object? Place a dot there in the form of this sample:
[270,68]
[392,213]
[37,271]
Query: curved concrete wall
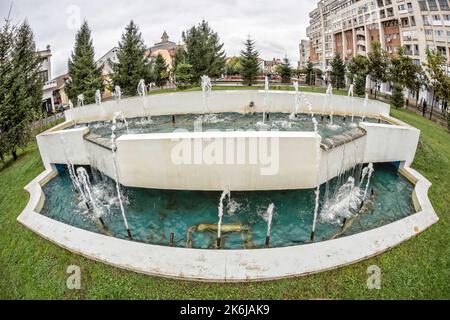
[223,101]
[229,265]
[288,159]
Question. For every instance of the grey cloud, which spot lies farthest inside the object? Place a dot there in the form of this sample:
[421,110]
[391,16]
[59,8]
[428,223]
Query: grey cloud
[277,27]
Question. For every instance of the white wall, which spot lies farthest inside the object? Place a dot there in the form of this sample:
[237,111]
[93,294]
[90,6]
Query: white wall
[150,161]
[390,143]
[224,101]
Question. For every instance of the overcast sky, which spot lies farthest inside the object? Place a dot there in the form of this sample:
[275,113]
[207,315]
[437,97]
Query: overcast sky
[276,26]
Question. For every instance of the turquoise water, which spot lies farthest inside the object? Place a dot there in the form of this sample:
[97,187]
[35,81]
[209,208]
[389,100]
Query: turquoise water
[154,214]
[228,121]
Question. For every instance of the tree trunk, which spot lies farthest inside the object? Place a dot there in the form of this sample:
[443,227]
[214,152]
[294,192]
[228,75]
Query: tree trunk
[432,106]
[14,154]
[417,99]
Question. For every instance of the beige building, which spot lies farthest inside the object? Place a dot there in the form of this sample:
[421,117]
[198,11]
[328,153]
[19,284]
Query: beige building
[165,48]
[349,27]
[304,54]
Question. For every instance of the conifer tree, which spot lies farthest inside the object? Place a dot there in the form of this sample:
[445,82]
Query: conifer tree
[161,74]
[131,67]
[249,62]
[337,73]
[20,88]
[204,51]
[397,96]
[309,73]
[84,76]
[286,71]
[6,45]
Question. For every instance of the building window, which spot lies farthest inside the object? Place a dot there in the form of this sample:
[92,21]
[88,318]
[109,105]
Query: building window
[439,33]
[423,6]
[433,5]
[426,20]
[444,5]
[437,19]
[44,75]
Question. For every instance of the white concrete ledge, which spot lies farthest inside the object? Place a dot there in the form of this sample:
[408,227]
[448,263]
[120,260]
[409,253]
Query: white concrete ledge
[229,265]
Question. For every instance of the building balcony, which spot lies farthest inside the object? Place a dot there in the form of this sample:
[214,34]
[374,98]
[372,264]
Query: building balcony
[50,85]
[361,43]
[361,33]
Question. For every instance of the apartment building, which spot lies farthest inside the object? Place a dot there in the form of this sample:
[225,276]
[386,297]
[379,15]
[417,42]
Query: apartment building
[304,54]
[349,27]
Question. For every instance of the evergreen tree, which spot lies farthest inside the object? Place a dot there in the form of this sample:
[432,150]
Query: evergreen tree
[309,73]
[397,98]
[131,67]
[161,74]
[357,69]
[378,65]
[249,62]
[438,79]
[337,73]
[360,85]
[85,76]
[21,87]
[180,57]
[358,65]
[6,45]
[183,75]
[204,51]
[286,71]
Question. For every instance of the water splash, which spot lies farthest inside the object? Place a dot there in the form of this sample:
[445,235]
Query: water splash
[269,216]
[294,113]
[121,116]
[116,173]
[369,173]
[350,95]
[117,94]
[344,204]
[142,92]
[80,100]
[206,89]
[98,97]
[266,98]
[225,194]
[365,107]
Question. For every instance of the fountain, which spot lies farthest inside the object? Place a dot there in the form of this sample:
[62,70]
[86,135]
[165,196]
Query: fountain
[269,216]
[266,97]
[80,100]
[98,97]
[365,107]
[116,172]
[350,95]
[120,116]
[117,94]
[321,181]
[293,115]
[225,193]
[86,189]
[369,171]
[142,92]
[327,102]
[206,89]
[70,104]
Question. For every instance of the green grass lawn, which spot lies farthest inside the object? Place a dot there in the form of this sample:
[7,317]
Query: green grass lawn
[33,268]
